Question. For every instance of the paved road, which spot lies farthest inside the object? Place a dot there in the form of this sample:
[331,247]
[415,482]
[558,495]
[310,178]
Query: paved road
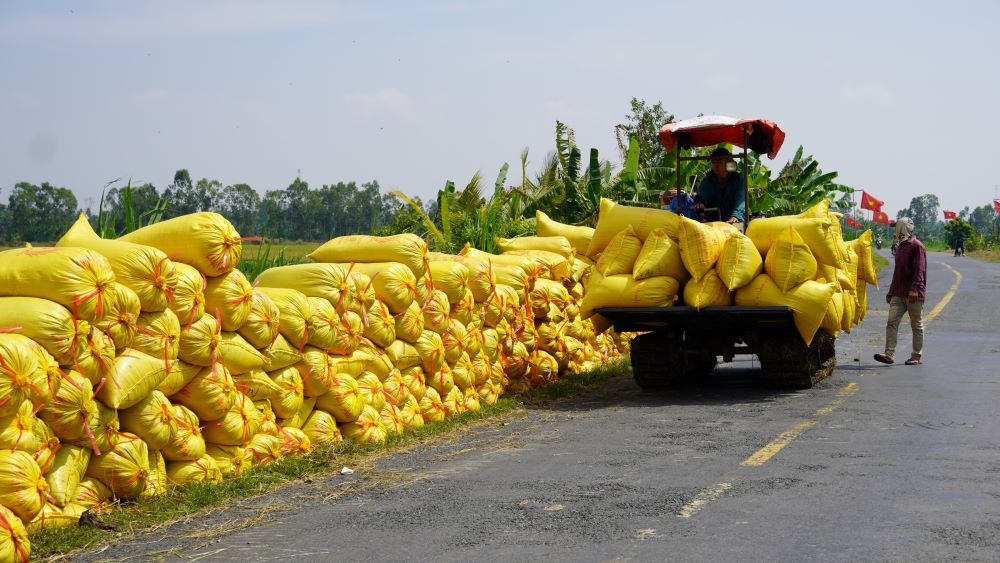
[883,463]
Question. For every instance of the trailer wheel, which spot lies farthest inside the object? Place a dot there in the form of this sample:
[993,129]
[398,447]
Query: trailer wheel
[788,362]
[658,361]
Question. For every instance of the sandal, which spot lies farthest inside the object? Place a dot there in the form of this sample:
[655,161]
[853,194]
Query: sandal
[913,362]
[884,358]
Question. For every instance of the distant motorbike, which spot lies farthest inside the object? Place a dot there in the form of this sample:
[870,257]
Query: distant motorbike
[878,242]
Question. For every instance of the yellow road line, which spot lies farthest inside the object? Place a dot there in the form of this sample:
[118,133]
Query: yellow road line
[761,456]
[704,497]
[947,296]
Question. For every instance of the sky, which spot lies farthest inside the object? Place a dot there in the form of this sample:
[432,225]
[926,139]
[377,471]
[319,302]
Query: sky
[899,97]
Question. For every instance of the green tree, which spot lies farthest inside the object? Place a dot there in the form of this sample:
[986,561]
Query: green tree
[240,204]
[142,202]
[956,227]
[180,195]
[798,186]
[923,210]
[40,213]
[5,227]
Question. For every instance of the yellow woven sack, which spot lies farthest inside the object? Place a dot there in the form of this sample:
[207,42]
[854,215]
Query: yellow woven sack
[204,240]
[620,254]
[133,376]
[432,407]
[124,468]
[437,311]
[152,419]
[528,264]
[264,449]
[546,295]
[789,262]
[143,269]
[709,291]
[848,276]
[381,327]
[77,278]
[558,244]
[121,315]
[452,338]
[324,324]
[367,428]
[624,291]
[866,264]
[189,294]
[159,335]
[808,301]
[321,429]
[409,414]
[862,309]
[22,486]
[64,476]
[556,266]
[391,419]
[22,377]
[834,314]
[199,342]
[344,401]
[407,249]
[229,297]
[293,314]
[329,281]
[237,427]
[280,354]
[413,379]
[289,399]
[578,237]
[372,392]
[232,461]
[47,323]
[739,263]
[257,385]
[395,390]
[613,219]
[299,417]
[454,402]
[701,246]
[69,412]
[513,277]
[430,349]
[186,443]
[659,256]
[394,283]
[450,277]
[314,369]
[203,470]
[156,481]
[209,395]
[91,493]
[17,430]
[481,278]
[815,231]
[263,323]
[14,543]
[402,354]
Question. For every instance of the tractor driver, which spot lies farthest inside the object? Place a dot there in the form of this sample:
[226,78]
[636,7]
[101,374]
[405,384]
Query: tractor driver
[723,188]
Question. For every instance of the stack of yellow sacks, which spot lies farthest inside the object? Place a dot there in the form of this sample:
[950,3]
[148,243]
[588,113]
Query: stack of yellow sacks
[130,364]
[651,257]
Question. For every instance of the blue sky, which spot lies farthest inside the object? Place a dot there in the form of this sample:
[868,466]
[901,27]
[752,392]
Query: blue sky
[893,95]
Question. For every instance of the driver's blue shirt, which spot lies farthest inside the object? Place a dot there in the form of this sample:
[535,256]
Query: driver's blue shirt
[686,204]
[729,198]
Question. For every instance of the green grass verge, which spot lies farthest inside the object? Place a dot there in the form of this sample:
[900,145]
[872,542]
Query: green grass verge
[991,255]
[880,262]
[134,516]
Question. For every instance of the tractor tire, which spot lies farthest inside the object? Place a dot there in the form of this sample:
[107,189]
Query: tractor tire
[788,362]
[660,361]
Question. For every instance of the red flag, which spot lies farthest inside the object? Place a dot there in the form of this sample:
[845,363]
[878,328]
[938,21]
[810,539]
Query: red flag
[996,205]
[880,217]
[950,215]
[852,222]
[869,202]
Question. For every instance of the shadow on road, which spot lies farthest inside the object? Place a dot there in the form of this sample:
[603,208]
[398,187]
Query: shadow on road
[736,384]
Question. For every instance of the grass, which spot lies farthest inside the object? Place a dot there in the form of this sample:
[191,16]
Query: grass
[183,502]
[990,255]
[880,262]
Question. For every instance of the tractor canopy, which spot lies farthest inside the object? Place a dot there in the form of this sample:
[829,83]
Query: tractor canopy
[762,136]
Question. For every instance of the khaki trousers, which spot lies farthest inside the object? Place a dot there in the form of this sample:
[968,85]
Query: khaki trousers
[897,307]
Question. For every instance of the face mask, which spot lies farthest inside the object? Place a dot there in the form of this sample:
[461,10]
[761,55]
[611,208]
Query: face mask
[730,166]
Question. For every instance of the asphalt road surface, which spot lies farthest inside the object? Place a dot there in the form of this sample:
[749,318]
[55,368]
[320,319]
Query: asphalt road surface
[877,463]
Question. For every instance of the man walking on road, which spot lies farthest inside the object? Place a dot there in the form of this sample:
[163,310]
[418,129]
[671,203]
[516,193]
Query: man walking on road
[907,292]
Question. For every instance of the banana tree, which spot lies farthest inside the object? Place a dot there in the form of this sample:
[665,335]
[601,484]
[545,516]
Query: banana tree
[800,185]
